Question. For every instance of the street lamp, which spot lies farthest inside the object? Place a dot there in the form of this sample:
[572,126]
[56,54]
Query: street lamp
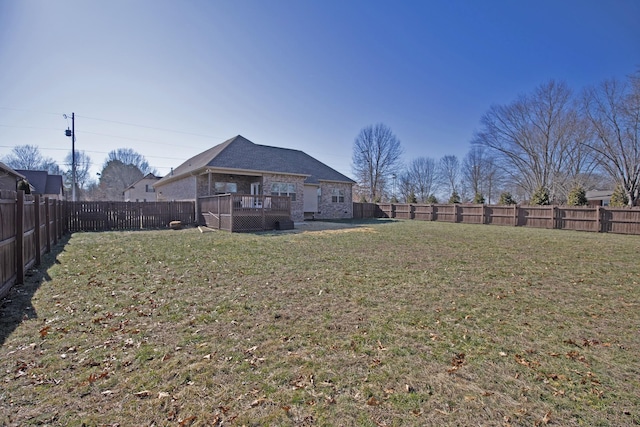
[72,133]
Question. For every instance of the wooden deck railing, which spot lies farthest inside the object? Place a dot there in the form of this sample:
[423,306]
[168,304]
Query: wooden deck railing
[245,212]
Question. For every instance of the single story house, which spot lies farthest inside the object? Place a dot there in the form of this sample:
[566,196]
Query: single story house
[9,178]
[243,167]
[142,190]
[47,185]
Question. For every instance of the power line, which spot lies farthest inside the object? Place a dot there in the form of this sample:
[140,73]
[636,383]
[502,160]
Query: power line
[153,127]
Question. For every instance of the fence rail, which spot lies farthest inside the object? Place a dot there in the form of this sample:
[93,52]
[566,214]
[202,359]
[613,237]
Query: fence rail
[596,219]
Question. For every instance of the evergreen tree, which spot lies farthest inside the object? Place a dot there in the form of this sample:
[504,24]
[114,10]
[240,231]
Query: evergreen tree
[577,197]
[455,197]
[540,197]
[619,198]
[506,199]
[478,199]
[432,200]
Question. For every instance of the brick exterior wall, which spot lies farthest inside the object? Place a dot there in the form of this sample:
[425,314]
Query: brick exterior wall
[330,210]
[297,206]
[182,189]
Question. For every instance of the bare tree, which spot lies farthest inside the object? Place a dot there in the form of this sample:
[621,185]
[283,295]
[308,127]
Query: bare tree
[449,173]
[481,173]
[130,157]
[376,156]
[535,137]
[613,109]
[83,166]
[422,175]
[114,179]
[28,157]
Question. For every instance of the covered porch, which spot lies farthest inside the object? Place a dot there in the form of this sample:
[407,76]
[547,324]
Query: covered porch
[245,212]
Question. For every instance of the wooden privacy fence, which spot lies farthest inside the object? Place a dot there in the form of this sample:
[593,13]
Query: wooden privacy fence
[596,219]
[30,226]
[102,216]
[243,212]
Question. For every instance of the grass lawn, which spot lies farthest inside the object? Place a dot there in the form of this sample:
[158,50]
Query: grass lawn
[386,323]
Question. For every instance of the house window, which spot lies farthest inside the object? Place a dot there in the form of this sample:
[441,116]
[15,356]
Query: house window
[337,196]
[149,189]
[283,189]
[226,187]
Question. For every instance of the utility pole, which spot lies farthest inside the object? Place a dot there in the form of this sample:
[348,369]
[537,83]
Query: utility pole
[72,134]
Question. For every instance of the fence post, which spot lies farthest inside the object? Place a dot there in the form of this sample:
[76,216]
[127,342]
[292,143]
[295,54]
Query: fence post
[516,216]
[37,239]
[20,236]
[598,219]
[47,223]
[433,212]
[56,220]
[456,213]
[484,214]
[554,217]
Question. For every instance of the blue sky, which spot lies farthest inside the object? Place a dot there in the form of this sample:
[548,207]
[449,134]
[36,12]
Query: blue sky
[170,79]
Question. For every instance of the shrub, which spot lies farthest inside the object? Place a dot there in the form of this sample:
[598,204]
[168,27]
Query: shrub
[619,197]
[411,198]
[540,196]
[506,199]
[478,199]
[23,185]
[577,197]
[432,199]
[394,199]
[455,197]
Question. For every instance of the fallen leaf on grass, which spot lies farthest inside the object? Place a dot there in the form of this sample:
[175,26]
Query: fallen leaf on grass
[142,394]
[257,402]
[187,421]
[373,401]
[44,331]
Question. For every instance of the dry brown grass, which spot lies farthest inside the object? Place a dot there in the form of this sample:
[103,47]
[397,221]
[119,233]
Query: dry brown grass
[376,323]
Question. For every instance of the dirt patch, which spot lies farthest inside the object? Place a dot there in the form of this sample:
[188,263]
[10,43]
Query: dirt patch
[329,227]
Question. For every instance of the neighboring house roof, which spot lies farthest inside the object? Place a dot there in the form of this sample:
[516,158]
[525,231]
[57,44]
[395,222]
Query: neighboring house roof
[243,155]
[43,183]
[599,194]
[148,176]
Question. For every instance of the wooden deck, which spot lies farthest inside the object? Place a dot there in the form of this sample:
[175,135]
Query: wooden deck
[245,213]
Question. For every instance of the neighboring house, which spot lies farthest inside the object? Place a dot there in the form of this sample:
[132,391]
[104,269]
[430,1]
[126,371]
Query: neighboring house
[599,197]
[42,183]
[240,166]
[9,178]
[142,190]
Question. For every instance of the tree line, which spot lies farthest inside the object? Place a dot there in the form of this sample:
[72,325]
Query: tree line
[121,168]
[547,146]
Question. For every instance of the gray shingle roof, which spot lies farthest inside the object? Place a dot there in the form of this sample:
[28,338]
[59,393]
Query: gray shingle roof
[242,154]
[42,182]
